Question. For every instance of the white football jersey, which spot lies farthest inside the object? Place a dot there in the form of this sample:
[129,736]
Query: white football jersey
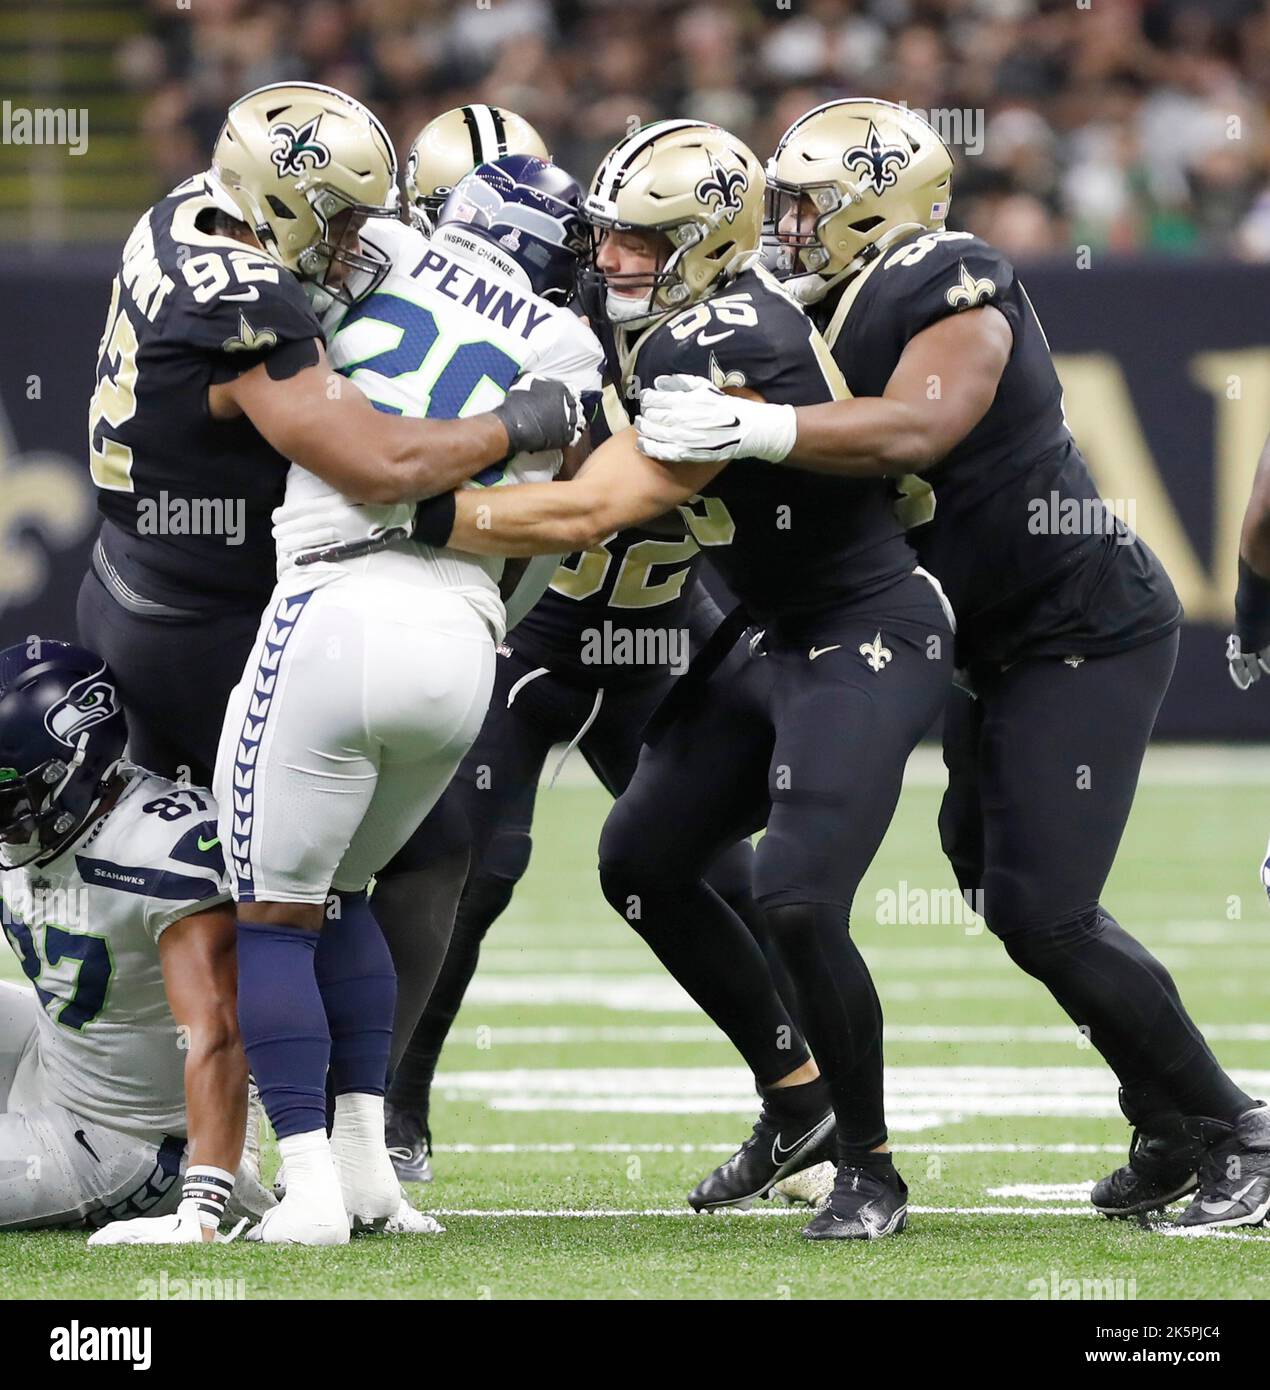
[86,928]
[446,333]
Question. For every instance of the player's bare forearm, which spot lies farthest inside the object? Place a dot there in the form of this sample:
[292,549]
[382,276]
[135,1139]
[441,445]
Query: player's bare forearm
[200,973]
[940,389]
[617,487]
[1254,536]
[323,422]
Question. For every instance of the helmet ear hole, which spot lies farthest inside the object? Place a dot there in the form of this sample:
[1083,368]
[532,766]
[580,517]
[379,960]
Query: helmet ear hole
[279,208]
[721,253]
[867,224]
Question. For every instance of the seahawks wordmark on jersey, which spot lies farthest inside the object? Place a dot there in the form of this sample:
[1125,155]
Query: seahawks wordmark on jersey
[86,927]
[982,517]
[787,542]
[444,336]
[188,498]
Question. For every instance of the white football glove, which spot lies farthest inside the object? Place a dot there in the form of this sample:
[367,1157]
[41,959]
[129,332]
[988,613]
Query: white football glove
[183,1227]
[1246,667]
[684,419]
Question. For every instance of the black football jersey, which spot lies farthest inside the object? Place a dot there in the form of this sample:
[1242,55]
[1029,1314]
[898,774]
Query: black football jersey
[1010,521]
[788,543]
[188,498]
[612,612]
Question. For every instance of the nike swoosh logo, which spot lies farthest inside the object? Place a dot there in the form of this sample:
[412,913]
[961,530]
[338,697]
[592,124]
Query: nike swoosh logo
[246,297]
[707,338]
[81,1139]
[205,845]
[820,651]
[779,1154]
[1221,1208]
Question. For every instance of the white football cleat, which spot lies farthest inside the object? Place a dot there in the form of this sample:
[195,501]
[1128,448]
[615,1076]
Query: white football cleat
[409,1222]
[304,1219]
[812,1187]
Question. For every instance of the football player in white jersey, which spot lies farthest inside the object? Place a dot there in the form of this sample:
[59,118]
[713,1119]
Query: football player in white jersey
[123,1049]
[371,675]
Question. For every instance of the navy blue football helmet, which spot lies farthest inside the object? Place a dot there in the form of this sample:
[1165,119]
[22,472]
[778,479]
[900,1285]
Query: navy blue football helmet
[62,734]
[530,208]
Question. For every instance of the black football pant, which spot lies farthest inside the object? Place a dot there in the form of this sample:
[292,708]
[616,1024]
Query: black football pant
[175,676]
[808,736]
[495,791]
[1042,769]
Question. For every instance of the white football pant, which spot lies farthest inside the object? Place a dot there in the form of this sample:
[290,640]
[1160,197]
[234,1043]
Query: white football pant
[358,702]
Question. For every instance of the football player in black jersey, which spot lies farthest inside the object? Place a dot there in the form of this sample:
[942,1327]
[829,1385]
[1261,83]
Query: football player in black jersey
[212,378]
[586,666]
[1067,633]
[805,727]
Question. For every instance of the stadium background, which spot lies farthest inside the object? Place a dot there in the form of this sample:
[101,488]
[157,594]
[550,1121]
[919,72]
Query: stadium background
[1124,162]
[1120,153]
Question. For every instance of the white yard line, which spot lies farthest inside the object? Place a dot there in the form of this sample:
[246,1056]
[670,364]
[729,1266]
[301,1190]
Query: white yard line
[768,1209]
[696,1034]
[615,1148]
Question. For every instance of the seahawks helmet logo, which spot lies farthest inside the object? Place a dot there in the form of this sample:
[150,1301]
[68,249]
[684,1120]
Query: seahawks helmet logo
[722,189]
[87,702]
[874,159]
[297,149]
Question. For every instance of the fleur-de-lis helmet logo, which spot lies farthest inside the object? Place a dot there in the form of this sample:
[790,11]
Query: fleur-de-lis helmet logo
[722,189]
[295,150]
[877,163]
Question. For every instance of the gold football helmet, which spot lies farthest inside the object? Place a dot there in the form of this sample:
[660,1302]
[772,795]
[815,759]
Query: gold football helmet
[847,180]
[293,156]
[697,185]
[453,145]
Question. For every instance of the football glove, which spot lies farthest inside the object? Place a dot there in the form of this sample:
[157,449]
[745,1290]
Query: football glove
[1246,667]
[684,419]
[183,1227]
[538,414]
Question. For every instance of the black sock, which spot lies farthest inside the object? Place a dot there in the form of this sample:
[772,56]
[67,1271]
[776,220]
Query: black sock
[808,1100]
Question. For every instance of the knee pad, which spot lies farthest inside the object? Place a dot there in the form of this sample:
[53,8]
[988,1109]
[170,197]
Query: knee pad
[1031,946]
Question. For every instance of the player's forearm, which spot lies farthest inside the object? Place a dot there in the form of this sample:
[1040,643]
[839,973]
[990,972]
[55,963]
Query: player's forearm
[421,458]
[216,1091]
[534,519]
[869,437]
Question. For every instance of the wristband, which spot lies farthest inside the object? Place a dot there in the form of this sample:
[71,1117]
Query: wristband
[1252,609]
[434,520]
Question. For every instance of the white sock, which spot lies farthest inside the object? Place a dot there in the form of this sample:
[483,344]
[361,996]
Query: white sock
[310,1165]
[359,1120]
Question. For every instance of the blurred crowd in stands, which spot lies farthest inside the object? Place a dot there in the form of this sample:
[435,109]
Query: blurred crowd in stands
[1132,126]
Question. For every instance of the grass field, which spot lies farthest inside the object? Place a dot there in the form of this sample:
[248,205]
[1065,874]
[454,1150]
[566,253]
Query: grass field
[582,1096]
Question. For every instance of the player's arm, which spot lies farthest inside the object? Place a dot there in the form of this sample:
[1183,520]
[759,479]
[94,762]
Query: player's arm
[1248,649]
[617,487]
[940,389]
[324,423]
[197,955]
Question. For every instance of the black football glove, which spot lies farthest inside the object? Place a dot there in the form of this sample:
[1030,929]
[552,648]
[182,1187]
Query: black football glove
[1248,647]
[540,414]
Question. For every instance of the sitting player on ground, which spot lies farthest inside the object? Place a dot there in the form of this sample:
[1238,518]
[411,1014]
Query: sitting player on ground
[122,1056]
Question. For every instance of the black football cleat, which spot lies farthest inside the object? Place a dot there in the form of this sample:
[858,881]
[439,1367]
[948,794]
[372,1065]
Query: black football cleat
[409,1146]
[1163,1166]
[1234,1178]
[866,1204]
[777,1149]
